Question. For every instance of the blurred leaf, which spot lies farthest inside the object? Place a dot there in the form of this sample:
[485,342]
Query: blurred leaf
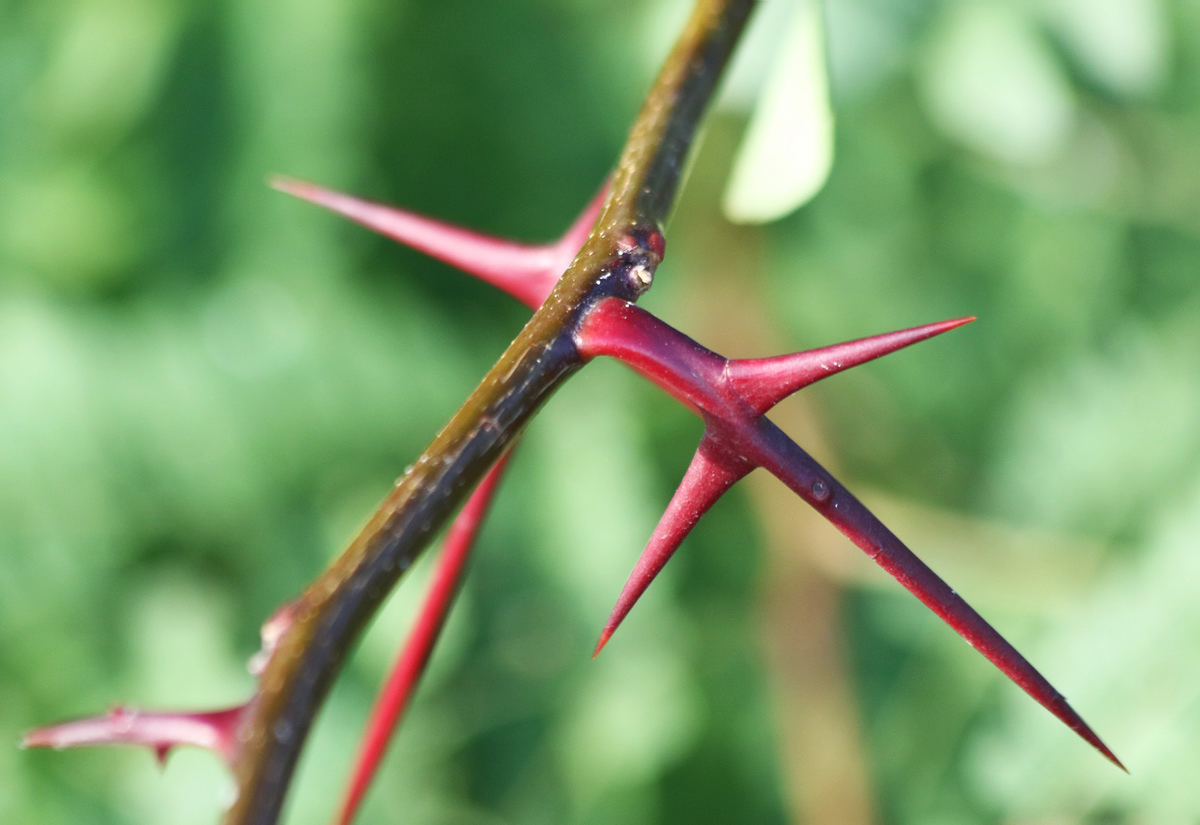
[1122,44]
[788,149]
[991,83]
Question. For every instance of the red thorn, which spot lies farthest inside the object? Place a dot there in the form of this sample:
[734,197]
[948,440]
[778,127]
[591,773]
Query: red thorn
[764,382]
[526,272]
[605,635]
[215,731]
[406,672]
[712,472]
[518,269]
[650,346]
[778,454]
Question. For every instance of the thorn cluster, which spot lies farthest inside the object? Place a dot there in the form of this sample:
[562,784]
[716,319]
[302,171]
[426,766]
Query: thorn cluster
[731,396]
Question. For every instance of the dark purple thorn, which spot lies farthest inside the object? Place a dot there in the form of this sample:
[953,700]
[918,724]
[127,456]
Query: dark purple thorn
[773,450]
[712,472]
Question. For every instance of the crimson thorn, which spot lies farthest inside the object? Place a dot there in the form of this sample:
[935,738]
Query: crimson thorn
[732,396]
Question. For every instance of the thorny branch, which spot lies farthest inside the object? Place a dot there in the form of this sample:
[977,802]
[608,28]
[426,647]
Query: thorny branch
[586,313]
[618,260]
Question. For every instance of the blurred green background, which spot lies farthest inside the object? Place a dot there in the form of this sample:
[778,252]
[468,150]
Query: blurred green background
[205,387]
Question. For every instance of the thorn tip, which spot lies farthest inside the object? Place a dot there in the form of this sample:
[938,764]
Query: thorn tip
[605,635]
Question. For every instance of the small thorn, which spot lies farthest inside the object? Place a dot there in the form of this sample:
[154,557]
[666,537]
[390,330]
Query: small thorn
[272,630]
[764,382]
[712,472]
[213,730]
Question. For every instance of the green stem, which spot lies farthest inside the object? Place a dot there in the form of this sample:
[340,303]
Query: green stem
[330,614]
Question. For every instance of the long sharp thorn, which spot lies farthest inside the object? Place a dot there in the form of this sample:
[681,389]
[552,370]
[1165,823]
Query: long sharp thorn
[712,472]
[782,457]
[764,382]
[398,690]
[527,272]
[518,269]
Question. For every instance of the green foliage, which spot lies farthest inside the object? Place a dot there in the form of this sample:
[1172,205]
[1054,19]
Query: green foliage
[205,387]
